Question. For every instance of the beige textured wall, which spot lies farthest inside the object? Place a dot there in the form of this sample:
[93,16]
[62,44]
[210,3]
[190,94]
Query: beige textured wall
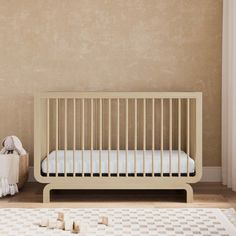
[106,45]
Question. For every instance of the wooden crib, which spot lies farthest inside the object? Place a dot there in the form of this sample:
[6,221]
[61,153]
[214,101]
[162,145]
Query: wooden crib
[118,140]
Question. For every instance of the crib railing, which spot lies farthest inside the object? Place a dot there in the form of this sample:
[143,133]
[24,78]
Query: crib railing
[120,122]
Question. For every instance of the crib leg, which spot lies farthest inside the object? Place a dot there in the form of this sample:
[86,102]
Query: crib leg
[46,193]
[189,193]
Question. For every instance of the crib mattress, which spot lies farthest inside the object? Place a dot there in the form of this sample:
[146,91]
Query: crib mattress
[183,159]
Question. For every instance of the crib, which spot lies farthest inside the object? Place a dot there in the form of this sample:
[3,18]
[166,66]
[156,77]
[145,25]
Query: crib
[118,140]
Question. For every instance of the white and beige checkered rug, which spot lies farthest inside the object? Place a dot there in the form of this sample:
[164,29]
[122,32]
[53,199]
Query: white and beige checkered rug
[124,221]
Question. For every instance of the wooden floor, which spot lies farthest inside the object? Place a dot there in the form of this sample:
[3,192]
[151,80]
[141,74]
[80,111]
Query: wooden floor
[205,195]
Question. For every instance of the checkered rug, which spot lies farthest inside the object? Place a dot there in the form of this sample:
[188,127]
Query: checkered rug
[124,221]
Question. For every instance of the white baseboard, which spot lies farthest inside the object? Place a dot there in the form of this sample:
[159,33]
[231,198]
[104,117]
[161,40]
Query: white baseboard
[31,174]
[210,174]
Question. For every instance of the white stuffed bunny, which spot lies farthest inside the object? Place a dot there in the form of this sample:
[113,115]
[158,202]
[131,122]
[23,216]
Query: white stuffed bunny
[12,144]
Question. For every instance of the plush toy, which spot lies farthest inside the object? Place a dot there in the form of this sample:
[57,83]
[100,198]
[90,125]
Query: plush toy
[12,144]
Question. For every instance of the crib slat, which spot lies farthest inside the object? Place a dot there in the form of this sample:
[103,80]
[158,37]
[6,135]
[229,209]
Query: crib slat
[91,141]
[74,134]
[48,133]
[144,135]
[170,136]
[161,163]
[109,135]
[65,138]
[118,136]
[126,135]
[135,137]
[100,137]
[153,134]
[82,138]
[179,135]
[56,160]
[188,133]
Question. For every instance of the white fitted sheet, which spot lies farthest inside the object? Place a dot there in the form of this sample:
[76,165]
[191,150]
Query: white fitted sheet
[113,161]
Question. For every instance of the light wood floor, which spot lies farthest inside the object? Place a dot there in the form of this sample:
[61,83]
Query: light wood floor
[205,195]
